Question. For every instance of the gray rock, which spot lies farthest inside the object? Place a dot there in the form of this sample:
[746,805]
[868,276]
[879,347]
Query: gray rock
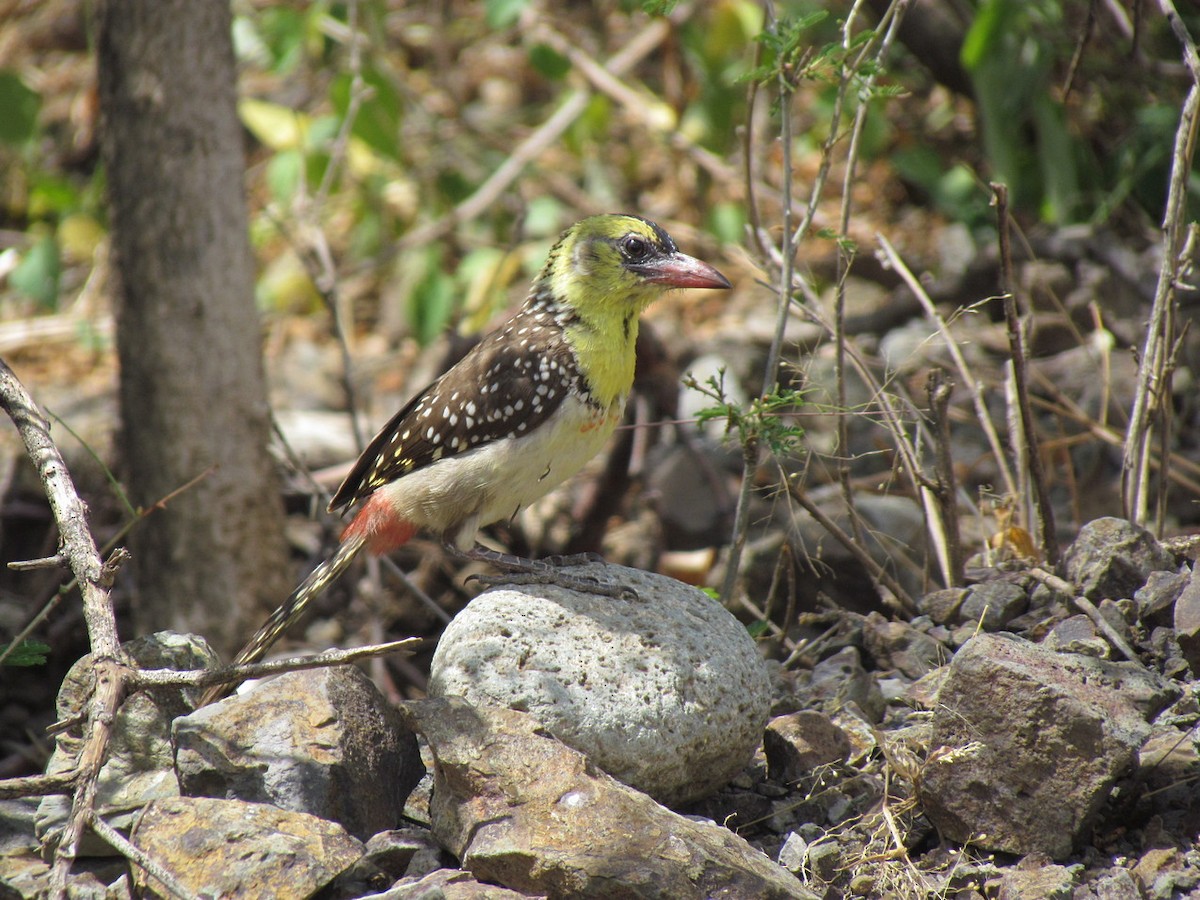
[993,604]
[1045,882]
[139,764]
[900,646]
[1187,620]
[841,679]
[1027,743]
[1113,558]
[666,692]
[446,884]
[1118,884]
[227,848]
[942,605]
[793,853]
[322,741]
[1077,634]
[524,811]
[1156,598]
[797,743]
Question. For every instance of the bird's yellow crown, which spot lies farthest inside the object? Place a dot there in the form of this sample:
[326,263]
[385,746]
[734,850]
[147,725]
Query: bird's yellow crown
[601,275]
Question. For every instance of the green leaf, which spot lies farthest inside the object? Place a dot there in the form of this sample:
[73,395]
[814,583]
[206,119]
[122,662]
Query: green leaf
[758,628]
[549,61]
[432,301]
[27,653]
[379,116]
[503,13]
[37,274]
[659,7]
[727,220]
[20,105]
[284,173]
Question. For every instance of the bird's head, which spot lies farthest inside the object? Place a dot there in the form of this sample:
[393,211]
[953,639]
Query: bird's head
[621,259]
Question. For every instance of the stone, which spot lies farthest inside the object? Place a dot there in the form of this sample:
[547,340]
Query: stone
[794,853]
[797,743]
[901,647]
[841,679]
[1113,558]
[1027,743]
[1077,634]
[523,810]
[1187,620]
[1156,598]
[1045,882]
[138,767]
[446,884]
[993,604]
[228,848]
[666,692]
[942,605]
[321,741]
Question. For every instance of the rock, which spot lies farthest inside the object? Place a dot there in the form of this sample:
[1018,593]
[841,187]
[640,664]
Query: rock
[1113,558]
[1041,881]
[1077,634]
[666,692]
[446,884]
[900,646]
[404,852]
[321,741]
[1156,598]
[841,679]
[797,743]
[227,848]
[942,605]
[993,604]
[523,810]
[139,764]
[1187,620]
[1116,885]
[1027,743]
[793,853]
[690,518]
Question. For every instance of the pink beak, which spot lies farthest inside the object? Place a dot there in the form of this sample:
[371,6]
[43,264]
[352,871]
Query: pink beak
[681,271]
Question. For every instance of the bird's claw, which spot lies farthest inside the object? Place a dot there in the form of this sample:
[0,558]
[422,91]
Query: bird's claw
[584,585]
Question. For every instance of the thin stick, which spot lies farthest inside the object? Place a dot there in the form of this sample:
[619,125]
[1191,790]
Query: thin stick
[974,387]
[139,858]
[902,598]
[946,487]
[79,547]
[1088,608]
[38,785]
[1149,390]
[144,678]
[1016,344]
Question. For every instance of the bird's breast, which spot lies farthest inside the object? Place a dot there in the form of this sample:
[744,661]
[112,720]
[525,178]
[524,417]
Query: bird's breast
[495,480]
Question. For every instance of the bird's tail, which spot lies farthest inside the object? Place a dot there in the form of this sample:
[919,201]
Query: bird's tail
[286,615]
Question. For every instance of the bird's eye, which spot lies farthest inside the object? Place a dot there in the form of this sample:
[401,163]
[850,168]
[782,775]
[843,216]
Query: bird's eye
[635,248]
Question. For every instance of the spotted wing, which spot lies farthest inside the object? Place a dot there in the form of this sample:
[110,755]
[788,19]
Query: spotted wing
[509,384]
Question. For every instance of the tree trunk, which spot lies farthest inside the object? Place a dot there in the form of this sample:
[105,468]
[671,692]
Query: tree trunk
[193,395]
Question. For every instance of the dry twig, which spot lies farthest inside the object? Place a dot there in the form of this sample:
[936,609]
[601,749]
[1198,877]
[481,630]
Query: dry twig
[79,549]
[1152,387]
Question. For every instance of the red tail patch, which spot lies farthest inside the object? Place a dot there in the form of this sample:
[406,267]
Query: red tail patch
[379,527]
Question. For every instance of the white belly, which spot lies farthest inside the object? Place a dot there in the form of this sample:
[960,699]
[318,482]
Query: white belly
[456,496]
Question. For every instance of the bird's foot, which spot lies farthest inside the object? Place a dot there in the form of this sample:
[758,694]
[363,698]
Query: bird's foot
[550,570]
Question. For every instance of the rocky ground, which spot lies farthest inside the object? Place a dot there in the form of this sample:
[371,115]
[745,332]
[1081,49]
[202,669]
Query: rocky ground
[1027,734]
[999,744]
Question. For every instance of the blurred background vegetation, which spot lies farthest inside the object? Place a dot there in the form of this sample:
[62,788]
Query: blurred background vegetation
[1074,112]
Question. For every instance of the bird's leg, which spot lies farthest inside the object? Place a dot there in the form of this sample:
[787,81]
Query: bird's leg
[519,570]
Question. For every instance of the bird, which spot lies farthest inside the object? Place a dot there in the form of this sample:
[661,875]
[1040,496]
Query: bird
[524,410]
